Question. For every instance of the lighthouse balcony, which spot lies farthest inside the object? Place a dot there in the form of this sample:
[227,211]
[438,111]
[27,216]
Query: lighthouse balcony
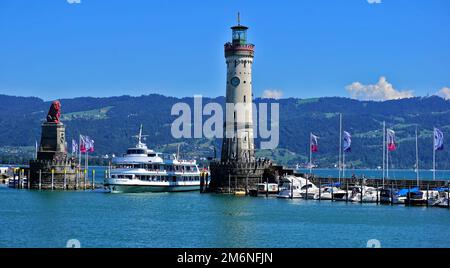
[239,49]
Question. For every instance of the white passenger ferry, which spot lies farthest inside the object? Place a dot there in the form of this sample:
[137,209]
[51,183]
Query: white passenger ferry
[144,170]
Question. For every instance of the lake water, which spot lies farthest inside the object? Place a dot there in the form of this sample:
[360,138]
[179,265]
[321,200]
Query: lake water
[97,219]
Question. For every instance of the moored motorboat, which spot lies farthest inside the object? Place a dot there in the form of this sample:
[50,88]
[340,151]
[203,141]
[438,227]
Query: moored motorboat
[417,197]
[369,194]
[330,193]
[393,196]
[296,187]
[269,188]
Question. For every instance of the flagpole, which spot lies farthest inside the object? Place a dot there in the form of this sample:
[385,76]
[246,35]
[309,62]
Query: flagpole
[79,153]
[340,148]
[434,155]
[86,173]
[310,154]
[384,150]
[387,162]
[343,164]
[417,158]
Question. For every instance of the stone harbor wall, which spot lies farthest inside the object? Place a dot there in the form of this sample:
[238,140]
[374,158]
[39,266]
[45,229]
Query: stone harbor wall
[239,176]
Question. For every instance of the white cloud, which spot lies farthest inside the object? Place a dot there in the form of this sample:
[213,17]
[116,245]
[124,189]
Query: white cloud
[74,1]
[381,91]
[272,94]
[444,93]
[374,1]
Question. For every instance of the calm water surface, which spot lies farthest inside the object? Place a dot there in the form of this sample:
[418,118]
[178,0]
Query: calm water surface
[96,219]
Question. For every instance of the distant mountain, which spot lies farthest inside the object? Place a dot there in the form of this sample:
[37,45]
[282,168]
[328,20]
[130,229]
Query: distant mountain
[113,121]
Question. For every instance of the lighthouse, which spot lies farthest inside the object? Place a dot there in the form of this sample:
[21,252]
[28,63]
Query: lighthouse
[238,169]
[238,142]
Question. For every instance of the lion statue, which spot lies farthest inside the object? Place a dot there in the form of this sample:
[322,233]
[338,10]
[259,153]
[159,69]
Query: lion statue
[54,113]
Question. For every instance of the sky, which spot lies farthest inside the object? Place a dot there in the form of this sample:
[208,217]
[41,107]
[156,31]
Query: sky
[364,49]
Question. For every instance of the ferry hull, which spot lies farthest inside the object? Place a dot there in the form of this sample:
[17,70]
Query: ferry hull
[150,188]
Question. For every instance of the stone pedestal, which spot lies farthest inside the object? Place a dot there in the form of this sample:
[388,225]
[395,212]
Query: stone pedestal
[239,176]
[53,168]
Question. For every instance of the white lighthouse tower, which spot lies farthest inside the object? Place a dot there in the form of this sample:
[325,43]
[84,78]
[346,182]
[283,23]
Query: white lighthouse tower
[238,170]
[238,142]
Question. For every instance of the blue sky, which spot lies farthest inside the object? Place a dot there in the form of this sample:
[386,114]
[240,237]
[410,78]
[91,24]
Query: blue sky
[53,49]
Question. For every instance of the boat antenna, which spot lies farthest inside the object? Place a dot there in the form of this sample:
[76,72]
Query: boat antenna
[140,136]
[239,18]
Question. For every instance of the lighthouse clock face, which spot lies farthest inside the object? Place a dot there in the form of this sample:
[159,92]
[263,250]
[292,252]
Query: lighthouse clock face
[235,81]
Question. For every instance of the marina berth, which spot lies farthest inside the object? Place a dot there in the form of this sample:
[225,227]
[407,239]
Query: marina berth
[421,198]
[331,192]
[296,187]
[144,170]
[364,194]
[393,196]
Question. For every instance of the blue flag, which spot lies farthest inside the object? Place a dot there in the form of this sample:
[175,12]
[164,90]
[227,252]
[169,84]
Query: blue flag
[438,140]
[347,142]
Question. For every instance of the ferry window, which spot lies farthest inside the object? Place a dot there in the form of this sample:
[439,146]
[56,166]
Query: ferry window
[151,155]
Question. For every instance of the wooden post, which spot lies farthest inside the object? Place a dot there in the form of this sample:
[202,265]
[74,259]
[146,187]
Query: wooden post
[77,176]
[332,191]
[306,190]
[65,179]
[53,177]
[448,195]
[267,186]
[362,190]
[85,177]
[346,189]
[93,179]
[29,179]
[18,179]
[292,189]
[40,179]
[392,194]
[320,189]
[378,201]
[246,184]
[409,195]
[201,182]
[229,183]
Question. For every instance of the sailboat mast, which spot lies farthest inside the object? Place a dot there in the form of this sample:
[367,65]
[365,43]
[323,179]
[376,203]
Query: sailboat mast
[387,160]
[434,155]
[310,154]
[417,158]
[340,148]
[384,150]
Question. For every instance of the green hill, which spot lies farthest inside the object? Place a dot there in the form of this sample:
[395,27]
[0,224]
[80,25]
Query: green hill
[113,121]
